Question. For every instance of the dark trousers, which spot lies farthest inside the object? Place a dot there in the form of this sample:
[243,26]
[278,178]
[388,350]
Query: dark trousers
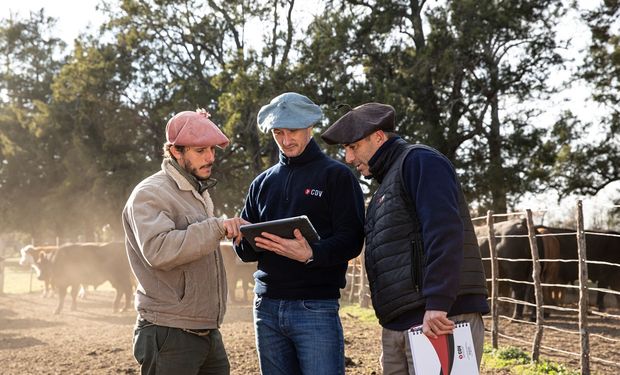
[164,350]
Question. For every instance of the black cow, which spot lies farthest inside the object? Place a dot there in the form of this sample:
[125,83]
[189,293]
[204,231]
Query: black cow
[513,243]
[511,248]
[89,264]
[600,246]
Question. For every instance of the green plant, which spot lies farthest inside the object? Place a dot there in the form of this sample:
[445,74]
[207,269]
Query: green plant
[519,362]
[366,315]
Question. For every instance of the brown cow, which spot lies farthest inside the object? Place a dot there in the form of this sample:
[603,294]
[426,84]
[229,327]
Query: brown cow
[550,271]
[89,264]
[236,270]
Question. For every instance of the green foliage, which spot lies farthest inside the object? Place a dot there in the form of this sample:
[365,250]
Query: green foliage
[79,130]
[588,168]
[450,81]
[519,362]
[30,59]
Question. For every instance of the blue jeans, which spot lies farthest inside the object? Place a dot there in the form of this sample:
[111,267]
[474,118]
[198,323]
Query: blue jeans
[295,337]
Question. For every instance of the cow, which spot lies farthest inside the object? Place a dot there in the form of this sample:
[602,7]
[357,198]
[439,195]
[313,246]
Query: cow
[236,270]
[31,256]
[88,264]
[550,271]
[510,247]
[513,243]
[602,246]
[34,256]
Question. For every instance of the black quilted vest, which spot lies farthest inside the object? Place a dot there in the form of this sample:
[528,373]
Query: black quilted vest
[394,246]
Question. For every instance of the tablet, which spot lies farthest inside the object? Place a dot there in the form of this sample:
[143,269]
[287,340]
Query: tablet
[282,227]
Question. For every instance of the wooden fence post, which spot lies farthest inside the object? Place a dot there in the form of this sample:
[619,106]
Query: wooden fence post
[31,270]
[537,287]
[364,301]
[494,282]
[583,292]
[353,280]
[2,270]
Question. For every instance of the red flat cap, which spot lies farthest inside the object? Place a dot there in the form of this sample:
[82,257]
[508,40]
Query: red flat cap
[194,129]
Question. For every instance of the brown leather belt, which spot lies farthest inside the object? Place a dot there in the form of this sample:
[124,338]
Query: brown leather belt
[198,332]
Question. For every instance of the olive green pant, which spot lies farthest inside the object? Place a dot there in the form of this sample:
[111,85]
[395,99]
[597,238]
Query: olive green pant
[165,350]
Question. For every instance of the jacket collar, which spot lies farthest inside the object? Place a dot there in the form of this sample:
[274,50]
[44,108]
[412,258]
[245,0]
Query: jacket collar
[384,157]
[310,153]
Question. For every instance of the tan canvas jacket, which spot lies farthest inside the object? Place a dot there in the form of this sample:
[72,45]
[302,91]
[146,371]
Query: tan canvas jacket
[172,242]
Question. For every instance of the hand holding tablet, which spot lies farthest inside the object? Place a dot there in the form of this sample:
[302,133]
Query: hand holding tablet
[283,228]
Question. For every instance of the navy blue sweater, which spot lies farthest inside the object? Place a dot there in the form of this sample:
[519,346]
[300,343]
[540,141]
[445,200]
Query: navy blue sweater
[326,191]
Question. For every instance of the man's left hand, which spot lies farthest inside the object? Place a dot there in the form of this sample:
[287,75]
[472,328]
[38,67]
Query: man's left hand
[297,248]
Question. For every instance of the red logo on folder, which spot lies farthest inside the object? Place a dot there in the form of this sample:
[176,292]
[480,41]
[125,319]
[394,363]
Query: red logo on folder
[451,354]
[444,347]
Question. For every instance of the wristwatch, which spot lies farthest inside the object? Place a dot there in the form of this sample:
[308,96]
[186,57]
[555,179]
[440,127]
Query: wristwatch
[309,260]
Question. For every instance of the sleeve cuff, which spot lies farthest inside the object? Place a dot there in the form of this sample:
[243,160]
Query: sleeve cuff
[439,303]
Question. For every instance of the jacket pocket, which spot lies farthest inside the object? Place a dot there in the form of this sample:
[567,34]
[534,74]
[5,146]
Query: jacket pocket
[183,286]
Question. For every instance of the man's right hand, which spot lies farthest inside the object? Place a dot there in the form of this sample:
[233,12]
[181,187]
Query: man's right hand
[436,323]
[231,229]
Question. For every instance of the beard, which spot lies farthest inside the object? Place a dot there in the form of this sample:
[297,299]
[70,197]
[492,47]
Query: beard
[195,171]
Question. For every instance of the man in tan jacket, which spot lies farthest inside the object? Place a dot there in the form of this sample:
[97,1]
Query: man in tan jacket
[172,240]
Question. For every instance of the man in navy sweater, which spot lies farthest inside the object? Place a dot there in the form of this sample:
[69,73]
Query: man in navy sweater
[298,330]
[422,257]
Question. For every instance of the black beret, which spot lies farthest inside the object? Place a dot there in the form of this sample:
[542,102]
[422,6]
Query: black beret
[360,122]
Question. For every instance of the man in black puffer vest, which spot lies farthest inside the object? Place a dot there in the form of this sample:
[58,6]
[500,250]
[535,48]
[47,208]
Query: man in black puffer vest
[422,258]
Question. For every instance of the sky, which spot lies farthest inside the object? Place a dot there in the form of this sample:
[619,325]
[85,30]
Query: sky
[75,16]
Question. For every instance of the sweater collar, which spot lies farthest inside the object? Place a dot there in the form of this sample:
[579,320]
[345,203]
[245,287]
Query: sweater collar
[311,152]
[384,157]
[199,185]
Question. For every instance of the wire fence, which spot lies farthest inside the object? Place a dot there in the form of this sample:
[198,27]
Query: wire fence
[587,338]
[583,324]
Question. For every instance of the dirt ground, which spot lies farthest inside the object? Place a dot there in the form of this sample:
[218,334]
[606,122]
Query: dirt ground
[94,340]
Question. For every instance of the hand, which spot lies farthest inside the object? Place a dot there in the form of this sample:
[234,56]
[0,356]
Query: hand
[297,248]
[231,229]
[436,323]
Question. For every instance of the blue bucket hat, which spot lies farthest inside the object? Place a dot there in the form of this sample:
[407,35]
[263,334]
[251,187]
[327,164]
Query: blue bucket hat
[288,111]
